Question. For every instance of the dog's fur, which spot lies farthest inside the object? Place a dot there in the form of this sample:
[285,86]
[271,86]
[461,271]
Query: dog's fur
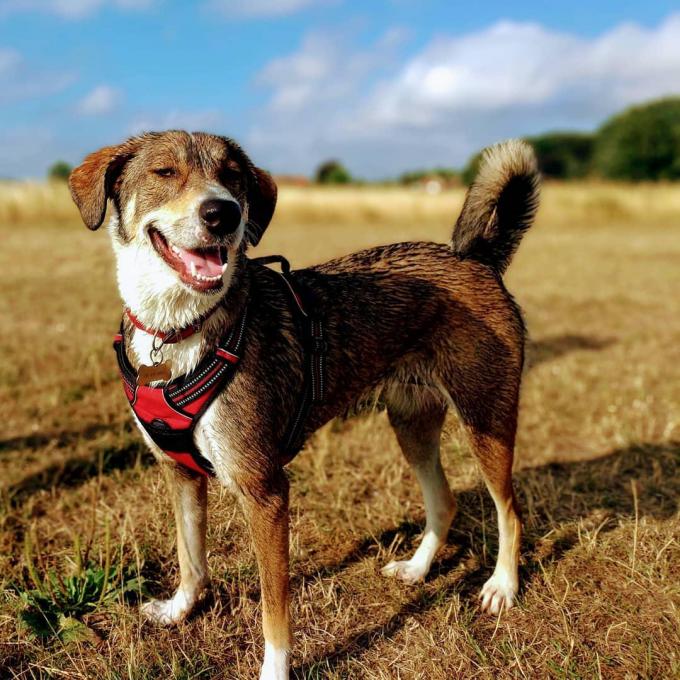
[425,326]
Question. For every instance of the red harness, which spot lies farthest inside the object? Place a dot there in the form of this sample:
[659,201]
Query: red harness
[169,413]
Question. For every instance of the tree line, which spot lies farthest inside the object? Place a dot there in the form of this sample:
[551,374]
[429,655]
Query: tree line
[641,143]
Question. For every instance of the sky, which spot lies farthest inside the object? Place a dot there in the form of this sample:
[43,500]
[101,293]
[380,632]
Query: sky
[384,86]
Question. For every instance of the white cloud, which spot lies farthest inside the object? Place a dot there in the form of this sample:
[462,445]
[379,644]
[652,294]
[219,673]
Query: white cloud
[9,59]
[513,65]
[322,71]
[456,94]
[69,9]
[262,8]
[100,101]
[207,120]
[20,81]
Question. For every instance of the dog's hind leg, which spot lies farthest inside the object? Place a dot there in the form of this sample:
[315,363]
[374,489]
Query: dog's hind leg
[495,458]
[488,407]
[189,498]
[418,433]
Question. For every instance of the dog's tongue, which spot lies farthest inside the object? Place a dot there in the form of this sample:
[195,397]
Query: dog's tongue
[206,261]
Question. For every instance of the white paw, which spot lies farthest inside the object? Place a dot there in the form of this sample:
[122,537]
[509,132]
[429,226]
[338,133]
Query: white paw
[167,612]
[498,593]
[409,571]
[275,664]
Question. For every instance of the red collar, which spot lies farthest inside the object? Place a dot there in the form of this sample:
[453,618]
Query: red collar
[176,334]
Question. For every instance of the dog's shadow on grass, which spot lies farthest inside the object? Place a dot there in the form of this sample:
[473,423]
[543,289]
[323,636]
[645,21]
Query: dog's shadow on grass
[60,439]
[73,472]
[555,499]
[555,346]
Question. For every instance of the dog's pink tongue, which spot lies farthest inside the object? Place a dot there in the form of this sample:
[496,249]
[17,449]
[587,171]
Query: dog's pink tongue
[207,261]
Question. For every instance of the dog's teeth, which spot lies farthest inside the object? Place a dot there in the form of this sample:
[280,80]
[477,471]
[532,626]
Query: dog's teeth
[224,267]
[202,277]
[174,249]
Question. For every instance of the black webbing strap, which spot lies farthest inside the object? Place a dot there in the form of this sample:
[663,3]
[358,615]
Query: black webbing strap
[314,346]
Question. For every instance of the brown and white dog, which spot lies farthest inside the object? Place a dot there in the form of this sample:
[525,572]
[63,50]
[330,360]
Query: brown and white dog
[427,326]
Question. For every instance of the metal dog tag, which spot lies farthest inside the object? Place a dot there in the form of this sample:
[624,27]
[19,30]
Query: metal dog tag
[149,374]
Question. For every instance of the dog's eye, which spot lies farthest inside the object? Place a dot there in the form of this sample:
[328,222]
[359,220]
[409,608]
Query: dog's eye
[231,172]
[164,172]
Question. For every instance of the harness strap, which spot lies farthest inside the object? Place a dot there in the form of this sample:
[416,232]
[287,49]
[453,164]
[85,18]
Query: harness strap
[315,349]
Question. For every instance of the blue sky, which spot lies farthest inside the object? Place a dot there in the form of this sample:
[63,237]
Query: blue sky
[384,85]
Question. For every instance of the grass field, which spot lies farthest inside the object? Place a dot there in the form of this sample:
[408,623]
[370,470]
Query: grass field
[596,467]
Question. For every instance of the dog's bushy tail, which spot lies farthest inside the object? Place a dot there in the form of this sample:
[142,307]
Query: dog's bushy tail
[500,205]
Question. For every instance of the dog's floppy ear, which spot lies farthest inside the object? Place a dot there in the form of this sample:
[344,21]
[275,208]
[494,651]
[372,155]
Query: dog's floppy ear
[262,193]
[92,182]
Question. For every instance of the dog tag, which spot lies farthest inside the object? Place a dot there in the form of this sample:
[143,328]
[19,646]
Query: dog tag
[149,374]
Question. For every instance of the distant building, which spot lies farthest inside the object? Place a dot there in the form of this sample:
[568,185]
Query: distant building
[292,180]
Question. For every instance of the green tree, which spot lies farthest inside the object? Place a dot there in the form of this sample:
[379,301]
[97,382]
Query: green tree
[413,176]
[333,172]
[563,155]
[60,170]
[469,172]
[641,143]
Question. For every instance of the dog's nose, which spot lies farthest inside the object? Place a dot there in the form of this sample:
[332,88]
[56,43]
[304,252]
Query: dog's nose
[220,217]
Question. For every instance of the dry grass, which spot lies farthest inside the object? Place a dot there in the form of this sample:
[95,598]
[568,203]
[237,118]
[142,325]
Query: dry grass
[597,463]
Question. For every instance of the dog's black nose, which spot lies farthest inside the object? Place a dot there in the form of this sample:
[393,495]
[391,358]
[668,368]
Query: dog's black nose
[220,217]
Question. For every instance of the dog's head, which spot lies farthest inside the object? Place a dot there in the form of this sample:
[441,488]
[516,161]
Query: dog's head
[184,205]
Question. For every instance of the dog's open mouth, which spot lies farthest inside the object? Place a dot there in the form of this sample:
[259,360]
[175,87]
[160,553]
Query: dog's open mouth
[200,268]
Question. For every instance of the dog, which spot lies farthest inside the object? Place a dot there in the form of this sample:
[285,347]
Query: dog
[426,326]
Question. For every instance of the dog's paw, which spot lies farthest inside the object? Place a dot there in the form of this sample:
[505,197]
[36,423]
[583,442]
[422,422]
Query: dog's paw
[498,593]
[276,663]
[409,571]
[167,612]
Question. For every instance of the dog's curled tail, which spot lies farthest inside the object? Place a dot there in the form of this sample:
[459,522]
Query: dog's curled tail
[500,205]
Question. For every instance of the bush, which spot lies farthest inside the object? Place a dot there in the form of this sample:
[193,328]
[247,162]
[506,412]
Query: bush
[59,171]
[333,172]
[469,172]
[641,143]
[414,176]
[564,155]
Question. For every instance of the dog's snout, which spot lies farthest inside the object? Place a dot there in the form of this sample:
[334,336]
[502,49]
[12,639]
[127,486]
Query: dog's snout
[220,216]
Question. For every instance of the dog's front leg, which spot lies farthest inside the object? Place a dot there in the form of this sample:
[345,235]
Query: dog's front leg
[190,499]
[265,504]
